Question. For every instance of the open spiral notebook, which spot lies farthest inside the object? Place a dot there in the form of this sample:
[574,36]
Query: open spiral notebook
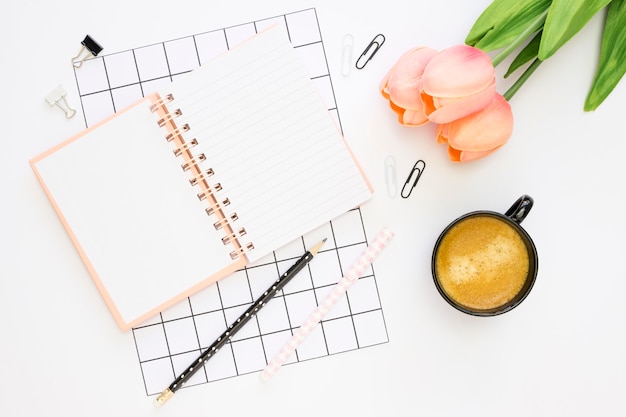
[210,173]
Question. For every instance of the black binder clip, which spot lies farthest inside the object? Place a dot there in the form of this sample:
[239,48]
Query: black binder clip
[370,51]
[90,48]
[414,177]
[57,98]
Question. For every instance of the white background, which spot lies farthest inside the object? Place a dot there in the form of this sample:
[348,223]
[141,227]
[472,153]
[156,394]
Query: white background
[559,353]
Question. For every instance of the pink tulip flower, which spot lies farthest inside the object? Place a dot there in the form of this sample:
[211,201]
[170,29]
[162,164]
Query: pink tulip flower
[456,82]
[480,133]
[403,83]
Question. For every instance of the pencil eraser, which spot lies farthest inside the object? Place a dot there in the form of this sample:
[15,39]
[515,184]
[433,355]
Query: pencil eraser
[163,397]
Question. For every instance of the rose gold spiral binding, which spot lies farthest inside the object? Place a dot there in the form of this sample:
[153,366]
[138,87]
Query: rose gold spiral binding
[201,176]
[209,191]
[242,250]
[169,117]
[176,132]
[193,162]
[226,221]
[218,205]
[233,236]
[160,102]
[185,146]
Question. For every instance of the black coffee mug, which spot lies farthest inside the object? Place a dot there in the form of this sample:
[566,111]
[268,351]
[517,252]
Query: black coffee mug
[484,263]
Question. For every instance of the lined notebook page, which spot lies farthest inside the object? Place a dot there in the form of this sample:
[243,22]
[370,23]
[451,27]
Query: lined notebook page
[270,141]
[122,194]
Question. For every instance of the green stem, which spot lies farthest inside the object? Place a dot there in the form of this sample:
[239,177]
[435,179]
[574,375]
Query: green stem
[534,26]
[522,79]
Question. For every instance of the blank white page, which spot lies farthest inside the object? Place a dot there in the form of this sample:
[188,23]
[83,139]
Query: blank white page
[127,201]
[267,135]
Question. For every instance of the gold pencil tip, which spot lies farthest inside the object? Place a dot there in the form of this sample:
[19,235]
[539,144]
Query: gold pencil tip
[163,397]
[317,247]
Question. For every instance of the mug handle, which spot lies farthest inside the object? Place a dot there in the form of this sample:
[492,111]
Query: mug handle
[520,209]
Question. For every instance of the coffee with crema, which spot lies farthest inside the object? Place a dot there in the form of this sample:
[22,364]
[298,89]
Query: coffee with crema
[482,262]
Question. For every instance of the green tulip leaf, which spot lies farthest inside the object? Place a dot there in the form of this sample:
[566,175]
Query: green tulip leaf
[526,55]
[612,64]
[565,18]
[504,21]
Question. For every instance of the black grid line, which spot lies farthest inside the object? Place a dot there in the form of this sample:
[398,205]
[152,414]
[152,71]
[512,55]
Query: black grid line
[171,340]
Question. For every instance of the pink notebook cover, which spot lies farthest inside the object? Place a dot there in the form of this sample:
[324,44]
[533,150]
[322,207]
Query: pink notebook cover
[355,184]
[117,316]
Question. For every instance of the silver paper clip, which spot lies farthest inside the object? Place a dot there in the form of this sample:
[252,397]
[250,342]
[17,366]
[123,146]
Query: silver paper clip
[346,54]
[89,48]
[390,176]
[370,51]
[57,98]
[414,177]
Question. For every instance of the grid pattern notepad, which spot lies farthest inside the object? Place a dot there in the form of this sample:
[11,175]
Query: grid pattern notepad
[167,343]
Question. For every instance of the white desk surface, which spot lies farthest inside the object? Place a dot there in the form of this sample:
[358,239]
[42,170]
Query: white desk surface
[560,353]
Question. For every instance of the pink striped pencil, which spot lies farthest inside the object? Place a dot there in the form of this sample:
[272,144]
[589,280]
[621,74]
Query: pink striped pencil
[353,274]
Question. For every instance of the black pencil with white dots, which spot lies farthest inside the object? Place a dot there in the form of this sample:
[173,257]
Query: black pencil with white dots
[237,325]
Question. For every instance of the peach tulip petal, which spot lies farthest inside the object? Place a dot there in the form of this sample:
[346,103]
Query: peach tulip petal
[403,83]
[413,118]
[484,130]
[454,154]
[384,91]
[397,110]
[442,133]
[460,70]
[462,156]
[447,110]
[409,118]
